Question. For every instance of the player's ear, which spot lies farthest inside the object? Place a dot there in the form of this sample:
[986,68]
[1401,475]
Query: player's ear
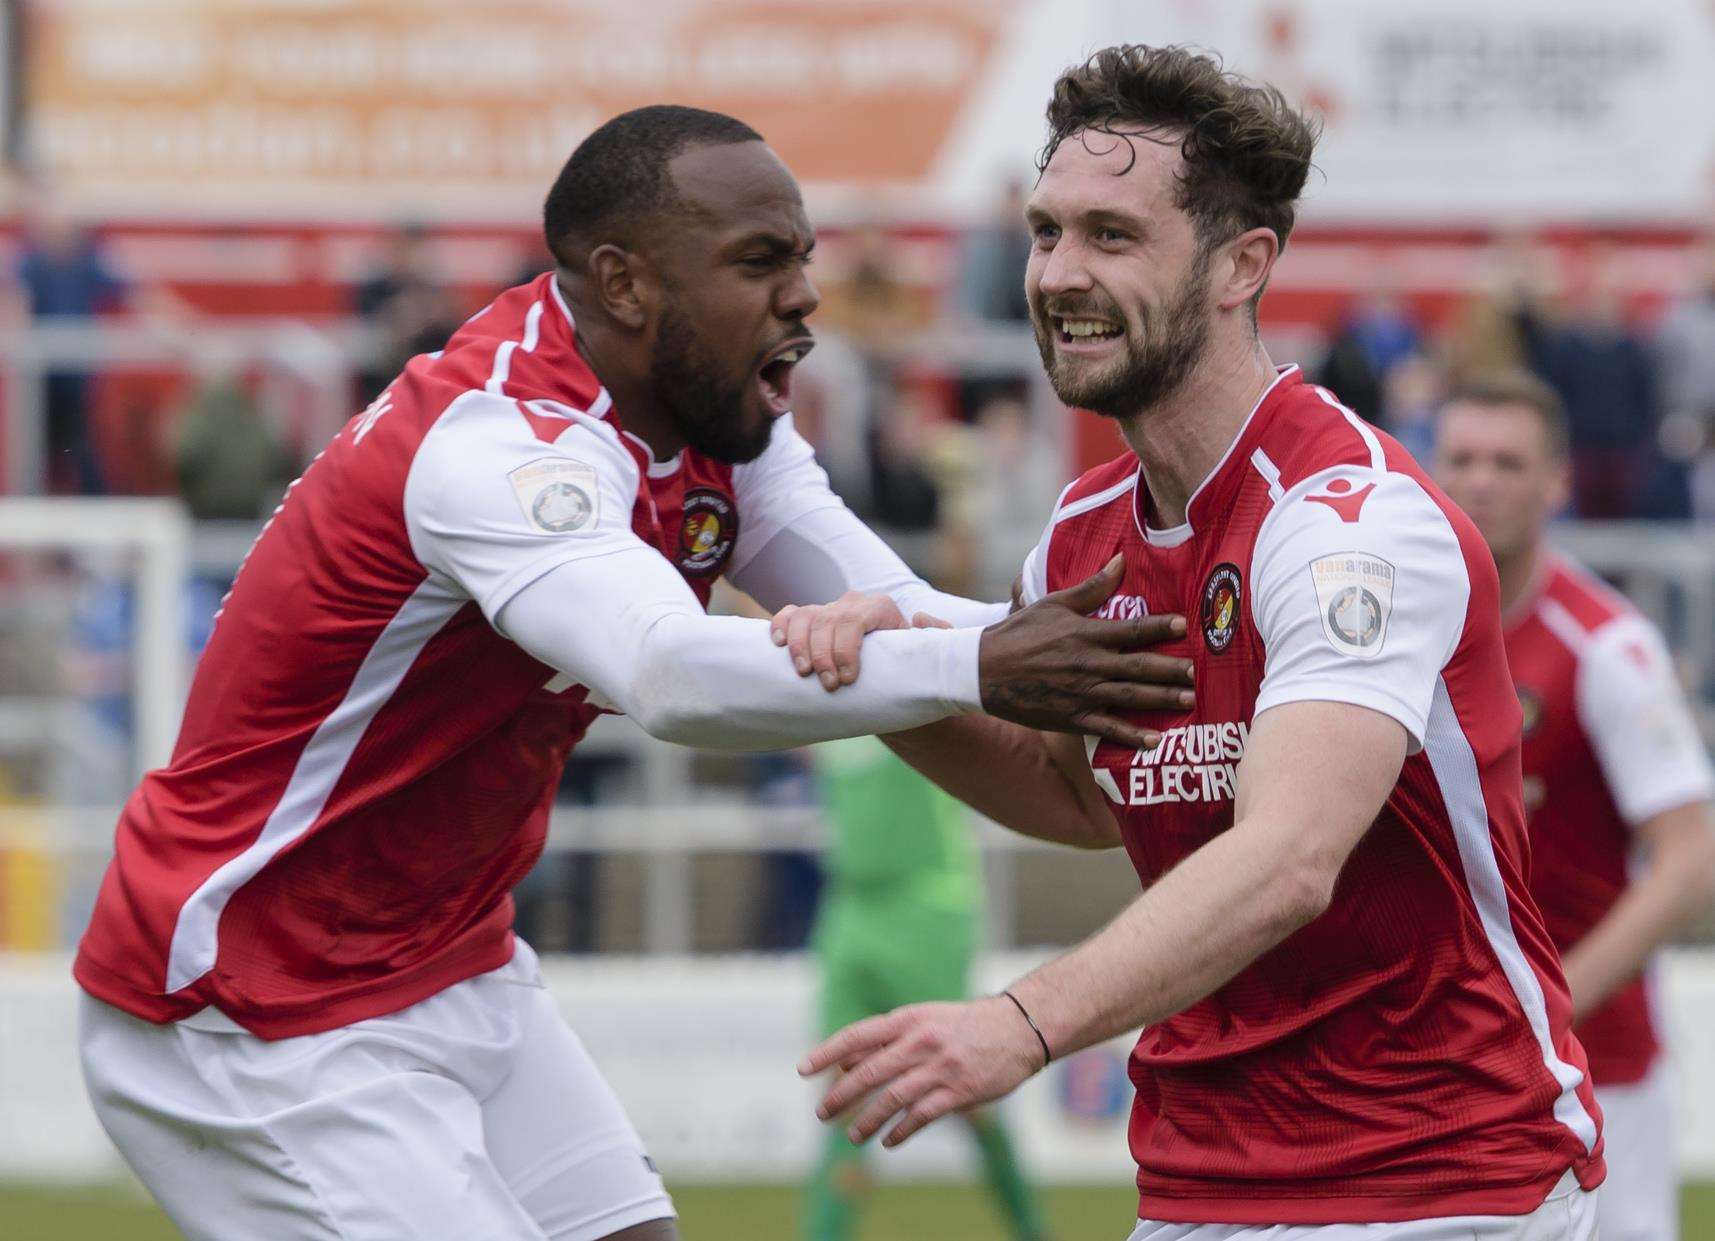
[614,276]
[1244,266]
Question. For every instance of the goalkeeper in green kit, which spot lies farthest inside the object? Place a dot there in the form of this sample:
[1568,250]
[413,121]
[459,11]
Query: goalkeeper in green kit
[898,924]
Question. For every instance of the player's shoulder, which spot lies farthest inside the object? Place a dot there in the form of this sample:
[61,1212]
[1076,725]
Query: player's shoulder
[1582,601]
[1112,482]
[1311,431]
[480,431]
[1602,631]
[1327,467]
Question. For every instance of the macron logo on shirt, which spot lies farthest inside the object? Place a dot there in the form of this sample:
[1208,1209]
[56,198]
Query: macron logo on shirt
[1343,500]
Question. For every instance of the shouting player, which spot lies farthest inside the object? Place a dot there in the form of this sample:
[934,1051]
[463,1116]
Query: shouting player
[1612,763]
[1354,1020]
[307,1015]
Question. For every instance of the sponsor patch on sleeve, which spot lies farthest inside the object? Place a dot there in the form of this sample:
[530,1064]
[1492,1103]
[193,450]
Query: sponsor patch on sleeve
[1354,594]
[558,495]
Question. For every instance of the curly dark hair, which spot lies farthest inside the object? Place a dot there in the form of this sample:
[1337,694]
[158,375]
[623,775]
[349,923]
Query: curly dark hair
[1246,149]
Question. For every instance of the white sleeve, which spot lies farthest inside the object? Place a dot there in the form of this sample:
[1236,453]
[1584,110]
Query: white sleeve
[776,490]
[1632,708]
[492,507]
[799,543]
[1359,590]
[627,626]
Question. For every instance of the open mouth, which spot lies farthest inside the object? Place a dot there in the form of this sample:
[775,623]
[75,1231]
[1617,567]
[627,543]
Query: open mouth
[1077,331]
[774,376]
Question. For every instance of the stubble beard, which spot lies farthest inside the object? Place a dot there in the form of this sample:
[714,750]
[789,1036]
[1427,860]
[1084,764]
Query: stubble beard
[705,405]
[1175,339]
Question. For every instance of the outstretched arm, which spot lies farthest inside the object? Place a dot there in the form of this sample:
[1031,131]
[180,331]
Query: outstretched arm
[800,544]
[1034,783]
[625,624]
[1302,807]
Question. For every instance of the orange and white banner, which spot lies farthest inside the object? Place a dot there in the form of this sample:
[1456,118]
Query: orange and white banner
[1437,111]
[444,107]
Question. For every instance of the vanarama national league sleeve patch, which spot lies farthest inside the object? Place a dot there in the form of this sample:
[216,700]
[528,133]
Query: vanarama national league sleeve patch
[558,495]
[1354,594]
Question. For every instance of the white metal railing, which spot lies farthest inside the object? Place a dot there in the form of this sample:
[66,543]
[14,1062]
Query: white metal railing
[667,817]
[287,351]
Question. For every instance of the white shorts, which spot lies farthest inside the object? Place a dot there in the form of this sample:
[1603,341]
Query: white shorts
[1640,1198]
[1568,1215]
[474,1114]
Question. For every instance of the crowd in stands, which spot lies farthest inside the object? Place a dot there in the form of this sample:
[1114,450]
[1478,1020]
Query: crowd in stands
[945,446]
[1639,395]
[925,400]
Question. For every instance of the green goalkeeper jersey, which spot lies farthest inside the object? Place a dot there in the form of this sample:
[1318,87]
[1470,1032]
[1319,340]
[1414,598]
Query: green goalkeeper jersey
[892,832]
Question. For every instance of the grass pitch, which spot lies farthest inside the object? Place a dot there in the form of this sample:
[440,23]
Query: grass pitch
[707,1213]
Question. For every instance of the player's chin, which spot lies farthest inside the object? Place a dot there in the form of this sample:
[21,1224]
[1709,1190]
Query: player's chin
[751,431]
[1079,377]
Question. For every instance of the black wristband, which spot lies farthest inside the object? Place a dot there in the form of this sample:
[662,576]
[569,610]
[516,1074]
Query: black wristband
[1047,1056]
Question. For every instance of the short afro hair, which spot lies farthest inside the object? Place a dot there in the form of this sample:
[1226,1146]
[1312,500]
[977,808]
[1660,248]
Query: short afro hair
[618,175]
[1246,150]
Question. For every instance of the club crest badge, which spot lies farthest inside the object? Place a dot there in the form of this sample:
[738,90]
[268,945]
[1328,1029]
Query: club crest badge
[707,531]
[1354,593]
[558,495]
[1220,611]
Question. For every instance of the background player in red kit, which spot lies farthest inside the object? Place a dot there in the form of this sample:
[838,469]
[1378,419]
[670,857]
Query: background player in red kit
[1355,1021]
[1613,766]
[306,1013]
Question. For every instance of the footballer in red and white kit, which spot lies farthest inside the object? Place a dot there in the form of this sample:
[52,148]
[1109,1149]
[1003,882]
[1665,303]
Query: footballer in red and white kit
[1354,1023]
[307,1014]
[1617,782]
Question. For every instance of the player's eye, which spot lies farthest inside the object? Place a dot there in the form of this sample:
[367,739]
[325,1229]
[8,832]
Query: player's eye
[1046,234]
[1111,236]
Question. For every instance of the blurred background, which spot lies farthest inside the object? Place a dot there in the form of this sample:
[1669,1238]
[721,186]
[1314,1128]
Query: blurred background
[224,224]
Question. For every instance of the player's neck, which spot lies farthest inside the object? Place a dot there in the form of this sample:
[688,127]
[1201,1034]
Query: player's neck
[1181,439]
[1518,572]
[627,381]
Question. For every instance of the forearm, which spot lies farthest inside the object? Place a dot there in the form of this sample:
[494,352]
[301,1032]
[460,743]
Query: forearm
[626,627]
[720,683]
[1010,774]
[1674,889]
[829,552]
[1186,936]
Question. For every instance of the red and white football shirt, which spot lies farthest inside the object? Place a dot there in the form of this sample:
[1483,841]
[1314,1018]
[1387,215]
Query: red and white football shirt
[1608,743]
[1408,1054]
[366,765]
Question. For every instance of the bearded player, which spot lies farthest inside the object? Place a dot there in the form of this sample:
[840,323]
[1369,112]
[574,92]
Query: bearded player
[1614,772]
[1355,1023]
[306,1013]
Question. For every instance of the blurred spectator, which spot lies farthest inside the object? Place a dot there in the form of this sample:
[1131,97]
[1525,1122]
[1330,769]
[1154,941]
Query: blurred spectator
[1411,396]
[1484,336]
[407,305]
[1605,375]
[1685,344]
[1376,335]
[903,493]
[228,461]
[998,481]
[869,300]
[991,269]
[63,273]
